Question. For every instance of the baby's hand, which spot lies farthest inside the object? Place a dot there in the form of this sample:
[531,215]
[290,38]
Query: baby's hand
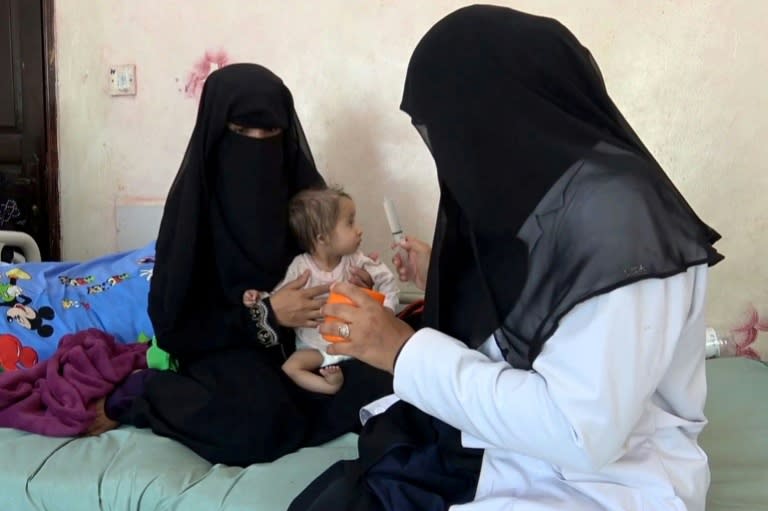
[360,277]
[251,297]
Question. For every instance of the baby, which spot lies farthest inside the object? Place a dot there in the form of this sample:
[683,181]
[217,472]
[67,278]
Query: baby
[323,221]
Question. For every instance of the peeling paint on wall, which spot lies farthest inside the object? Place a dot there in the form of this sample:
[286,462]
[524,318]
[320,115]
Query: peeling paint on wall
[746,332]
[211,61]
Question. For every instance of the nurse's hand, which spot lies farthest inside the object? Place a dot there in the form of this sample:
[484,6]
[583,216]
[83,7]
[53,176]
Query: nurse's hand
[415,266]
[295,306]
[375,334]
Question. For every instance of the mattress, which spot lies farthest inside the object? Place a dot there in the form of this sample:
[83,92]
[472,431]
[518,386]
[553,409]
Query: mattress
[132,469]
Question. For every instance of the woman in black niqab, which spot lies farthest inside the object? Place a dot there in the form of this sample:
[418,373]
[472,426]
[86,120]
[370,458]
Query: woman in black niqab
[547,199]
[507,103]
[225,230]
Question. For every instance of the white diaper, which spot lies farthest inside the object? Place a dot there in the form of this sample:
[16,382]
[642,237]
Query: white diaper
[328,360]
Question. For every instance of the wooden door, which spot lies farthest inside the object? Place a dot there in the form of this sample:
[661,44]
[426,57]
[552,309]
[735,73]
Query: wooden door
[28,170]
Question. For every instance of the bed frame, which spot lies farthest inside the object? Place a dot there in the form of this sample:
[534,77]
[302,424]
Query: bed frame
[18,247]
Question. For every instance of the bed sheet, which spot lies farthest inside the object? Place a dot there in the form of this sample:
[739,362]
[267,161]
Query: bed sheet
[42,302]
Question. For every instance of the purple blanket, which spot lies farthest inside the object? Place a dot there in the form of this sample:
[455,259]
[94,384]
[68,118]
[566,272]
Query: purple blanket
[56,397]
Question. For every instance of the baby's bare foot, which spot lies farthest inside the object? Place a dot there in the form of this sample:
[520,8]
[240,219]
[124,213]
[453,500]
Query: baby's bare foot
[333,375]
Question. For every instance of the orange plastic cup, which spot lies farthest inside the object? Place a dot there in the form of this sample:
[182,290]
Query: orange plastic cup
[336,297]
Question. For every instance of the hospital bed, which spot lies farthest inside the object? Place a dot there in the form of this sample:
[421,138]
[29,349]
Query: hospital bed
[133,469]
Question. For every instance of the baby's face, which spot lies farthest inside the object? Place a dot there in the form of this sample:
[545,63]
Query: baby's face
[347,235]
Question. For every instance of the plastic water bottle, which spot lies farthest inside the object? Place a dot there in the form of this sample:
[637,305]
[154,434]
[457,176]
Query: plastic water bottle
[719,344]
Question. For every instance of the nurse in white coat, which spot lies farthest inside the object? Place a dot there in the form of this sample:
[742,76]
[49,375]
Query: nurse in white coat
[563,325]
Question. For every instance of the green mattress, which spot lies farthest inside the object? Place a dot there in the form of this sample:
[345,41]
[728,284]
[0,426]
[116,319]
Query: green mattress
[132,469]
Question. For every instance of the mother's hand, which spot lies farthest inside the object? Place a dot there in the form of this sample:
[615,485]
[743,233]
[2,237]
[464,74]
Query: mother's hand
[297,307]
[375,335]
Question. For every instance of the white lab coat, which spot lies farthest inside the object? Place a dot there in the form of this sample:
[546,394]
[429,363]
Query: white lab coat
[608,418]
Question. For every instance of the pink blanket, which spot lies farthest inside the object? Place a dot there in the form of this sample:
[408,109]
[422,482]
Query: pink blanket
[55,397]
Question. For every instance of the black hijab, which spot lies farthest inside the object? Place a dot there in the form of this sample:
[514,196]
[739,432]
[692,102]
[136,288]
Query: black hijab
[225,226]
[507,102]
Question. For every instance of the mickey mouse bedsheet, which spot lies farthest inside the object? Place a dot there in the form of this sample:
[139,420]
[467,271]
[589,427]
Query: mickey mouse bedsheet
[42,302]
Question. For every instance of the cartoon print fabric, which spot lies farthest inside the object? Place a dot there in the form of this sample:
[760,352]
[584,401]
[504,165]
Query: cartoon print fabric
[42,302]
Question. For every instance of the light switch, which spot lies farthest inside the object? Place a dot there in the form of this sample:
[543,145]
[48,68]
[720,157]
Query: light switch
[122,80]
